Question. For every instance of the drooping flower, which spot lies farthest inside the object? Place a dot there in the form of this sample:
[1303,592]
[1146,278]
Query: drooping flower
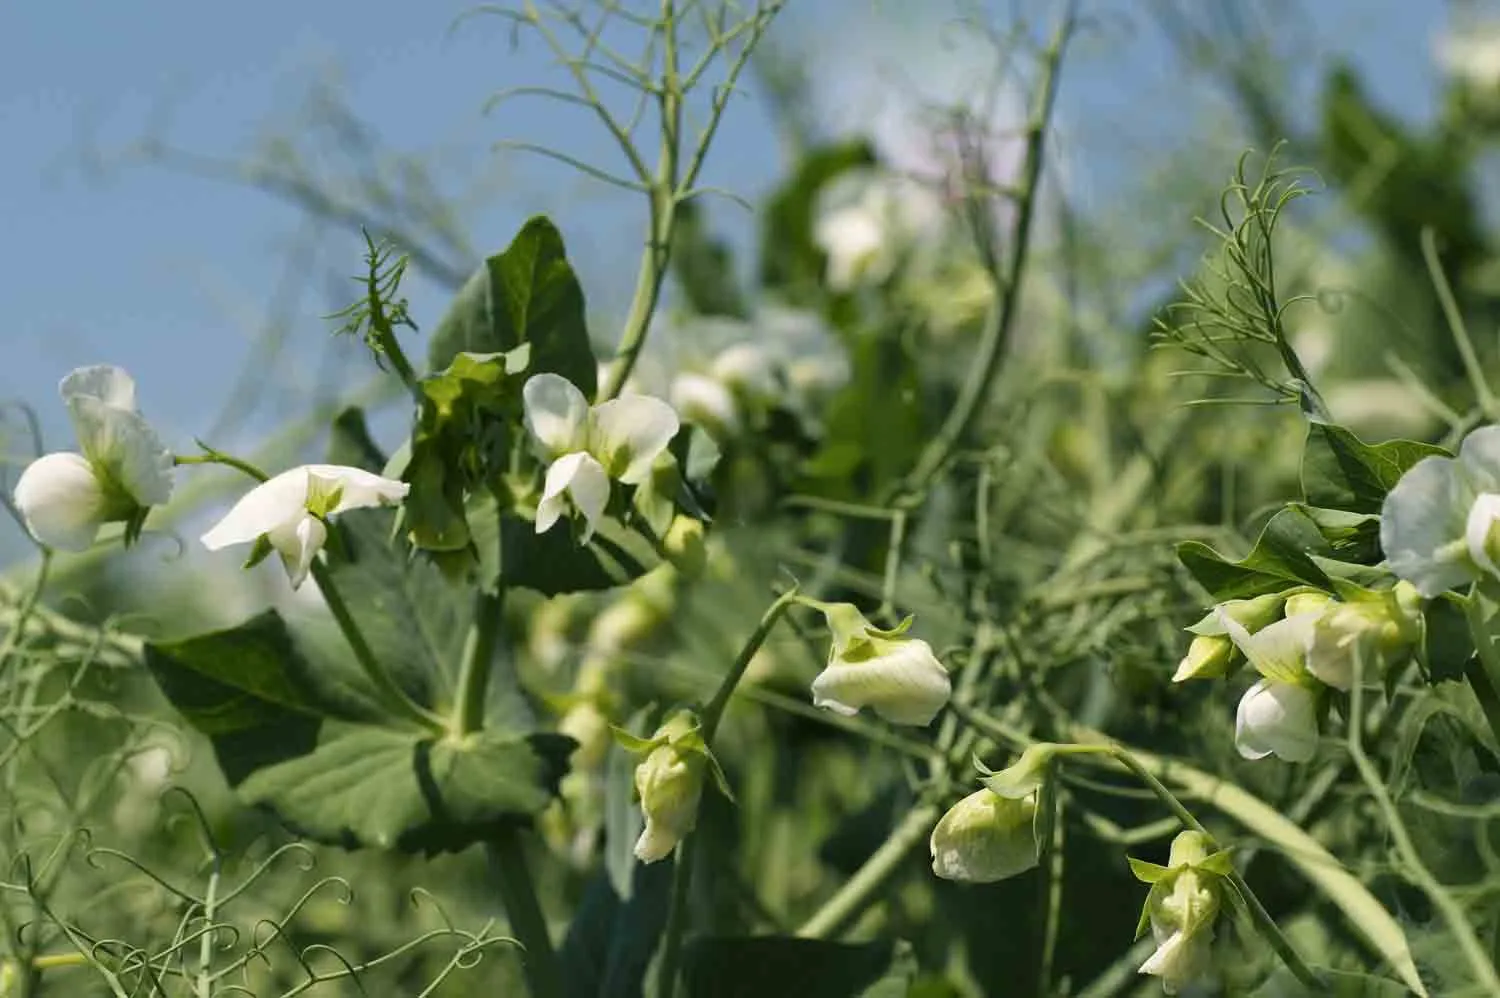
[588,446]
[1377,626]
[1211,652]
[1181,909]
[669,783]
[124,467]
[984,838]
[287,514]
[867,222]
[897,677]
[1438,524]
[1279,714]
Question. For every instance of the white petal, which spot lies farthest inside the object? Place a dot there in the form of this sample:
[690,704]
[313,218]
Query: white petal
[61,501]
[1422,524]
[1479,456]
[277,504]
[984,838]
[1277,717]
[556,413]
[628,434]
[705,401]
[298,545]
[575,478]
[746,367]
[359,489]
[1277,651]
[905,685]
[1181,958]
[104,382]
[1482,518]
[122,443]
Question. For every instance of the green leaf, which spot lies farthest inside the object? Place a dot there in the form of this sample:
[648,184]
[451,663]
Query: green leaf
[788,967]
[790,262]
[1279,560]
[554,562]
[611,937]
[246,688]
[1337,984]
[704,266]
[1353,537]
[1447,643]
[375,786]
[1341,472]
[623,820]
[461,441]
[350,443]
[525,295]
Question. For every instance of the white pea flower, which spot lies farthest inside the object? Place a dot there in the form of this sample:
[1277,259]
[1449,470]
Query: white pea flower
[1473,55]
[590,445]
[1279,714]
[1438,524]
[669,782]
[123,469]
[286,513]
[706,401]
[898,677]
[1379,626]
[867,222]
[984,838]
[1181,909]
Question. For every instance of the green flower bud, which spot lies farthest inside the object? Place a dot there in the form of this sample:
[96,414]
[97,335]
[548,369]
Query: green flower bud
[684,546]
[1212,654]
[670,784]
[1208,657]
[1181,909]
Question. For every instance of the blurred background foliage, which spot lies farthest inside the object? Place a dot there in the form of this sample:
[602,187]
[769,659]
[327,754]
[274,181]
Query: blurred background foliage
[1041,557]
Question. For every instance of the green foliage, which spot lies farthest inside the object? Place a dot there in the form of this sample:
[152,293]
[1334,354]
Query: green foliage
[791,262]
[797,968]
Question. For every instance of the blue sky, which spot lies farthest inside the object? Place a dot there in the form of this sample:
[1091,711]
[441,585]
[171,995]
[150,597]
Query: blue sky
[171,276]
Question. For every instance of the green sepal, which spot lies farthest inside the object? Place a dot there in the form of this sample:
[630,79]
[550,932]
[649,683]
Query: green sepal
[260,550]
[1147,873]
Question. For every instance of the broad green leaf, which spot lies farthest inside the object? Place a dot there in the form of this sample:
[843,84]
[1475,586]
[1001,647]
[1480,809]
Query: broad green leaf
[1279,560]
[554,562]
[790,262]
[1341,472]
[788,967]
[246,688]
[1365,914]
[375,786]
[1354,537]
[526,295]
[1446,641]
[611,938]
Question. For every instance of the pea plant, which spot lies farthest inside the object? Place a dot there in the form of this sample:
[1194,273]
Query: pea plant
[853,623]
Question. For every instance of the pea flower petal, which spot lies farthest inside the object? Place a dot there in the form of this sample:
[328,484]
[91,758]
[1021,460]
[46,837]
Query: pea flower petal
[1277,717]
[984,838]
[578,478]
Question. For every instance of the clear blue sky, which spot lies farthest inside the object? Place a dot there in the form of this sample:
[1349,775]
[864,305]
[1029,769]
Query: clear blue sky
[170,275]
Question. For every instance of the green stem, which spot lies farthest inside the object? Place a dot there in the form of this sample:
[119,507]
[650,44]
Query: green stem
[1447,906]
[1483,671]
[204,984]
[842,910]
[1457,327]
[478,660]
[518,894]
[664,197]
[211,456]
[17,632]
[682,871]
[1002,318]
[392,695]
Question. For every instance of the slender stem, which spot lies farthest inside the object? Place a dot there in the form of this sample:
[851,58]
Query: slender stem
[51,961]
[17,632]
[391,348]
[841,911]
[393,696]
[518,894]
[682,871]
[1452,912]
[1482,393]
[204,983]
[478,659]
[997,330]
[1483,671]
[1052,897]
[214,457]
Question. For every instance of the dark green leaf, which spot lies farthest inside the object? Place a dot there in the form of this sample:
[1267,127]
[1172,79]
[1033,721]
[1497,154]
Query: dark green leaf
[1279,560]
[611,939]
[1341,472]
[554,562]
[350,443]
[1446,641]
[796,968]
[525,295]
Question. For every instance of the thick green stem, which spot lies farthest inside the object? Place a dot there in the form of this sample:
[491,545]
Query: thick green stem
[392,695]
[518,894]
[712,714]
[841,911]
[478,659]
